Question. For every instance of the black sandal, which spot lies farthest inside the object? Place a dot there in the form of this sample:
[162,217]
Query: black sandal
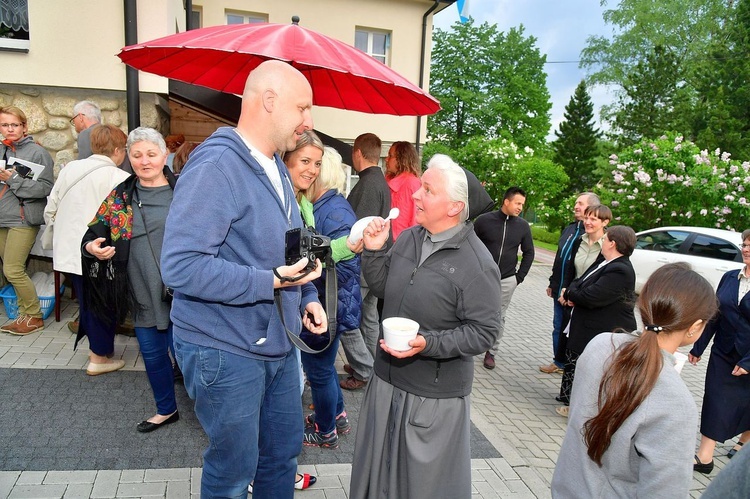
[734,450]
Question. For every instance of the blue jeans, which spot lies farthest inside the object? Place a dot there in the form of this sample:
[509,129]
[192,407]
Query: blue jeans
[557,318]
[155,345]
[324,384]
[251,412]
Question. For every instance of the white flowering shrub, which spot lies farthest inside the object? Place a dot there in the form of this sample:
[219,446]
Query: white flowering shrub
[670,181]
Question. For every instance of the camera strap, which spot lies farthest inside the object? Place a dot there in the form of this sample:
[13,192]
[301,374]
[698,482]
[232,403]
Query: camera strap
[331,306]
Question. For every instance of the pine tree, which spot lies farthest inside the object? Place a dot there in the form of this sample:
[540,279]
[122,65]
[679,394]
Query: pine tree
[576,145]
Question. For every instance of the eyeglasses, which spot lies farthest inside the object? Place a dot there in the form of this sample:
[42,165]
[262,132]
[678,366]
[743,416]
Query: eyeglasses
[74,118]
[11,125]
[745,246]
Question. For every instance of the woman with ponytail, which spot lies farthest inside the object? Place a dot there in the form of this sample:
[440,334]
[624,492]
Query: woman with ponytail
[632,418]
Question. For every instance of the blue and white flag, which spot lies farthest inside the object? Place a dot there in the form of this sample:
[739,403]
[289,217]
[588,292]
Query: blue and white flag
[463,10]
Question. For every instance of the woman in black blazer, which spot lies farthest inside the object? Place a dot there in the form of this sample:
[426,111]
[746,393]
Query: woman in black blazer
[726,400]
[603,300]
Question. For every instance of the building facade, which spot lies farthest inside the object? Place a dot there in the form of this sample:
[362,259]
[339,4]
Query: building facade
[70,54]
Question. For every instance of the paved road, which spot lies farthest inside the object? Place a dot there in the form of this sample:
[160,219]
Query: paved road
[47,442]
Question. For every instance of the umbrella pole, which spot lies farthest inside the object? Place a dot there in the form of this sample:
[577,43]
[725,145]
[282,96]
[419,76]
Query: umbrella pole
[132,91]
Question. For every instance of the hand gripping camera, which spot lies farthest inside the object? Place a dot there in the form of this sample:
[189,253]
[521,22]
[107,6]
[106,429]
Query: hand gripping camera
[305,242]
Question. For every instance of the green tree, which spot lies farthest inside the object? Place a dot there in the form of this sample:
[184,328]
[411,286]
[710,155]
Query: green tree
[652,98]
[576,145]
[684,28]
[490,84]
[684,31]
[724,88]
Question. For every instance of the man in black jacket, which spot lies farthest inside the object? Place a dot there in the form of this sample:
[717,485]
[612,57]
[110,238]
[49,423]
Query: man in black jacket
[573,231]
[502,232]
[370,197]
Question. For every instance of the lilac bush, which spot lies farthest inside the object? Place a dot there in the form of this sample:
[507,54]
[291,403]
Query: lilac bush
[670,181]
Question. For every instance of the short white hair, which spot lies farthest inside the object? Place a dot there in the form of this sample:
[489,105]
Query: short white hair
[88,109]
[456,185]
[142,133]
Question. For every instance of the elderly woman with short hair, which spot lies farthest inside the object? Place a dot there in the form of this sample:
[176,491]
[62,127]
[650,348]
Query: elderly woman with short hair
[121,253]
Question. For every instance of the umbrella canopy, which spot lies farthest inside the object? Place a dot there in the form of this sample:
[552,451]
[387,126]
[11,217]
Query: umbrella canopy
[221,57]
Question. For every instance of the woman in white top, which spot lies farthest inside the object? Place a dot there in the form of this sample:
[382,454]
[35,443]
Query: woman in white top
[72,204]
[632,419]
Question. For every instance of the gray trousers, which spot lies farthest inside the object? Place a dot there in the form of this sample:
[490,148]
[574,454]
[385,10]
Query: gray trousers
[359,344]
[507,288]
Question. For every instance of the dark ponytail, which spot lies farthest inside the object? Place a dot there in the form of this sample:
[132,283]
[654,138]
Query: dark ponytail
[672,300]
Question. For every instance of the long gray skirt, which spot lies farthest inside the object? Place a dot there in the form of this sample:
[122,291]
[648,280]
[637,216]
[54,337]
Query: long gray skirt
[411,447]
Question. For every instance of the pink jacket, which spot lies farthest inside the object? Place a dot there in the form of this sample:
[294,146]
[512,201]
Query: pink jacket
[402,188]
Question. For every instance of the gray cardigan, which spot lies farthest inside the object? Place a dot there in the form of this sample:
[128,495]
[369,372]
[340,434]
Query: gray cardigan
[651,454]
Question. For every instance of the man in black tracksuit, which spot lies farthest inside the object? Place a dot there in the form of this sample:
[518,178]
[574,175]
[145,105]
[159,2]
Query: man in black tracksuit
[502,232]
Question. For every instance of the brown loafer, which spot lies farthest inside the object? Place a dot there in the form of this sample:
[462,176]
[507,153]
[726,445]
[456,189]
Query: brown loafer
[551,369]
[352,383]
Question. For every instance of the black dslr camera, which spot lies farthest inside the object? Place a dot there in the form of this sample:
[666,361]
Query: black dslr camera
[305,242]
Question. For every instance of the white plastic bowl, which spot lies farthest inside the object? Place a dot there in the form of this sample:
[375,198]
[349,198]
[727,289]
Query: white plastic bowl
[398,331]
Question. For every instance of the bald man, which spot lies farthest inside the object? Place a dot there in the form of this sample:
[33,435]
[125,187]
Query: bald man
[225,261]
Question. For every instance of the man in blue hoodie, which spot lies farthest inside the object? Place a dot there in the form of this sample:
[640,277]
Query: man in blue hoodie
[224,257]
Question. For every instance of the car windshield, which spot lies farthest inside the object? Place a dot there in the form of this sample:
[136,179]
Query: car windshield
[668,241]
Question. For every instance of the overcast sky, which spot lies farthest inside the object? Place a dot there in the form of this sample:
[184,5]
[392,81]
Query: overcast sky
[561,29]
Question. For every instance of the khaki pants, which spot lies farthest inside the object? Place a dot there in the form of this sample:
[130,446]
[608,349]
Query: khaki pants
[15,246]
[507,288]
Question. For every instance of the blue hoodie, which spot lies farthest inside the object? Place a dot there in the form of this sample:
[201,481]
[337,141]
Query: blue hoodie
[224,235]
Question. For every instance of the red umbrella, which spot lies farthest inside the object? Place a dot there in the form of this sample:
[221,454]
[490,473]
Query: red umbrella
[221,57]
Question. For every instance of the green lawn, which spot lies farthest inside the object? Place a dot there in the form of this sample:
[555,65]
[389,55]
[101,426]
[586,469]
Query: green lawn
[547,246]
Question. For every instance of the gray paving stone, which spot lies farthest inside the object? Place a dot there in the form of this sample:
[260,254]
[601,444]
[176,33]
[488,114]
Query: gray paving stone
[105,484]
[70,477]
[31,478]
[37,491]
[167,474]
[178,489]
[7,481]
[153,489]
[78,491]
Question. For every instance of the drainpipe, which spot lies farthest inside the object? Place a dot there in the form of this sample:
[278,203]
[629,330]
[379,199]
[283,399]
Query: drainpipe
[188,15]
[421,65]
[132,91]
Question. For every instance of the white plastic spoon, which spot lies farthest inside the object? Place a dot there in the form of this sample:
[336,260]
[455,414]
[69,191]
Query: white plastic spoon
[358,228]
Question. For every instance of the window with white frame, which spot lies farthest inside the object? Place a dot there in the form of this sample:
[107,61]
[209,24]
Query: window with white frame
[14,25]
[376,43]
[238,17]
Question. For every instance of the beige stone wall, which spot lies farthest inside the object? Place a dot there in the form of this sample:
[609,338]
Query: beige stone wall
[49,109]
